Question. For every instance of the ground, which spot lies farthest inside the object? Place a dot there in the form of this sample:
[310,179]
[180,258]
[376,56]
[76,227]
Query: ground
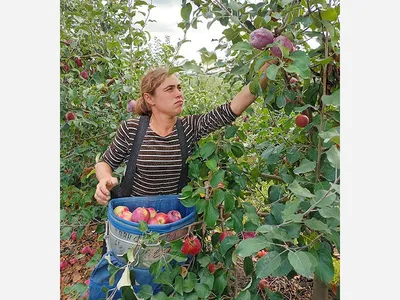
[298,288]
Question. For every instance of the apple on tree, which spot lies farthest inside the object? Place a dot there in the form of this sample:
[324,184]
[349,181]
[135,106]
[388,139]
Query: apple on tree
[224,235]
[191,246]
[302,120]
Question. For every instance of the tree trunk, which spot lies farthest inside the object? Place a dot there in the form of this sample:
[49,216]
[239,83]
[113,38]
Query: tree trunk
[320,290]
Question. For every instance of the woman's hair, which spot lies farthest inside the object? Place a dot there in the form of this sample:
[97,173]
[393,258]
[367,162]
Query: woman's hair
[150,81]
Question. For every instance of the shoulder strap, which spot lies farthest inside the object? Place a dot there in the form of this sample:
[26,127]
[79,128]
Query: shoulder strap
[183,180]
[127,182]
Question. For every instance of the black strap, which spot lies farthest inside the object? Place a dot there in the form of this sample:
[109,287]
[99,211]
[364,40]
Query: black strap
[183,180]
[127,181]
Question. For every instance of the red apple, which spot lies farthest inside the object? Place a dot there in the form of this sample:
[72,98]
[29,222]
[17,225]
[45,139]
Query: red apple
[285,42]
[84,74]
[131,106]
[302,120]
[211,268]
[120,208]
[69,116]
[224,235]
[63,265]
[92,252]
[293,80]
[87,281]
[152,212]
[66,68]
[78,62]
[261,37]
[160,218]
[73,235]
[263,284]
[86,250]
[191,246]
[140,214]
[73,260]
[261,253]
[249,234]
[173,216]
[125,215]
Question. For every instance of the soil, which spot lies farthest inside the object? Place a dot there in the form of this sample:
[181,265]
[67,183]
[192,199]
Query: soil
[298,288]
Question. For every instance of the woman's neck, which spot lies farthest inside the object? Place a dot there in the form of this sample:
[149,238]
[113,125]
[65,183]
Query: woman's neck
[162,125]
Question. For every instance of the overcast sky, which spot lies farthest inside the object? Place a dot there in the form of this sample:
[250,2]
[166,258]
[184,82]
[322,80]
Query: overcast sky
[167,13]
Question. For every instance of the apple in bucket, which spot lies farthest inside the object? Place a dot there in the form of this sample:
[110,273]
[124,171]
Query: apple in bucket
[173,216]
[140,214]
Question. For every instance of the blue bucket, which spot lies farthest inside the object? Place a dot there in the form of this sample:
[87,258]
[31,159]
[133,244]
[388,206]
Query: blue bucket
[122,234]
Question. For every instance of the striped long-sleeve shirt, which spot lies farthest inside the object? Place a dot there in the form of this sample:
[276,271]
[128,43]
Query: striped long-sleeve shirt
[159,162]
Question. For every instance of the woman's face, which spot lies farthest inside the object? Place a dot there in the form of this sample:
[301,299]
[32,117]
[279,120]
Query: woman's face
[168,97]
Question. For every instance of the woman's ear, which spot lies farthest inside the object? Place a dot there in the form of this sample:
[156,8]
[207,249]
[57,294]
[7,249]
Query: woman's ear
[149,99]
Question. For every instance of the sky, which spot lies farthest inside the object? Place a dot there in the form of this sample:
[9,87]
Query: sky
[30,149]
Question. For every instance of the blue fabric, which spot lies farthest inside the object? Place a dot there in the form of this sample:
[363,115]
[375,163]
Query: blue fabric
[99,278]
[162,203]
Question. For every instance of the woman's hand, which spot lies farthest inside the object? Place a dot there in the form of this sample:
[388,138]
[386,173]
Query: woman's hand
[103,189]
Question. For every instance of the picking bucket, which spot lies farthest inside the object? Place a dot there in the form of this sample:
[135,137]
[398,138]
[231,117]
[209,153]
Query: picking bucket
[121,235]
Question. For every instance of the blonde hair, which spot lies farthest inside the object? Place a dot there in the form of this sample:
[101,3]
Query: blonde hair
[150,81]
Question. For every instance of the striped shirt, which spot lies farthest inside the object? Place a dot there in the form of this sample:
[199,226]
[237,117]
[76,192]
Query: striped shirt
[159,162]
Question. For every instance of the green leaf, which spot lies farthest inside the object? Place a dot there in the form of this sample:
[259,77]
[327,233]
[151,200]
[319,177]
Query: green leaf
[220,282]
[178,286]
[160,296]
[305,166]
[299,191]
[244,295]
[207,149]
[250,246]
[273,295]
[291,207]
[301,263]
[329,14]
[244,46]
[211,164]
[333,156]
[228,242]
[190,282]
[333,99]
[267,264]
[217,178]
[324,269]
[229,202]
[125,279]
[248,266]
[143,227]
[190,66]
[280,101]
[211,215]
[293,155]
[284,268]
[317,225]
[218,197]
[206,279]
[272,70]
[230,131]
[330,212]
[237,150]
[326,201]
[202,290]
[146,292]
[330,134]
[185,12]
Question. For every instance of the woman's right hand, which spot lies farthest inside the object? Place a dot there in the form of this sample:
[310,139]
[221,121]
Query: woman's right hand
[103,189]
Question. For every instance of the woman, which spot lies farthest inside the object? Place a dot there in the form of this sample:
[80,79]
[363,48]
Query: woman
[159,163]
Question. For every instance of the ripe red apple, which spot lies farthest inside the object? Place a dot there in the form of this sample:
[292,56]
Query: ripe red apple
[293,80]
[140,214]
[84,74]
[224,235]
[86,250]
[211,268]
[160,218]
[191,246]
[120,208]
[125,215]
[92,252]
[173,216]
[261,253]
[261,37]
[302,120]
[263,284]
[249,234]
[78,62]
[285,42]
[131,105]
[69,116]
[63,265]
[73,260]
[66,68]
[152,212]
[73,235]
[152,221]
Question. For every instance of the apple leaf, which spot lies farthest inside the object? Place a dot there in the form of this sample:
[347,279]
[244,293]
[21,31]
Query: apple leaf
[211,164]
[220,282]
[301,263]
[272,70]
[229,202]
[267,264]
[217,178]
[299,191]
[207,149]
[327,199]
[244,295]
[244,46]
[230,131]
[146,291]
[250,246]
[185,12]
[329,14]
[330,212]
[202,290]
[333,99]
[333,156]
[317,225]
[190,282]
[211,214]
[324,269]
[305,166]
[228,242]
